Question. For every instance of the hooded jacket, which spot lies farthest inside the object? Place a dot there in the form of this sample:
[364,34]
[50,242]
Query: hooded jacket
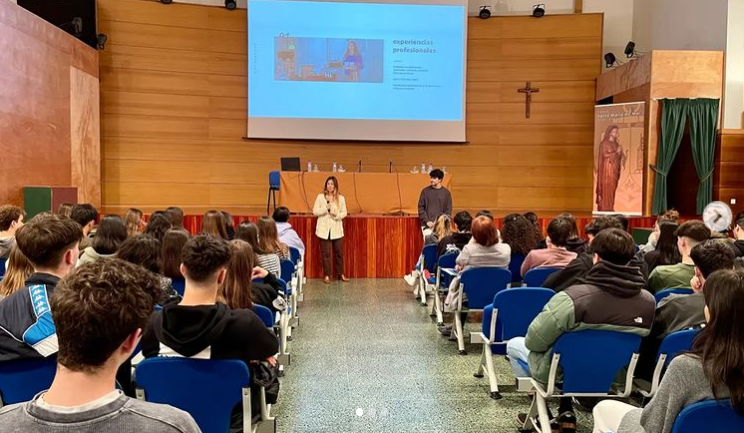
[289,236]
[611,298]
[578,269]
[208,332]
[90,255]
[26,326]
[6,244]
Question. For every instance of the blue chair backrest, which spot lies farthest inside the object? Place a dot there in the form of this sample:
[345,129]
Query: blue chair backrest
[430,257]
[536,277]
[2,267]
[709,416]
[274,179]
[282,284]
[515,266]
[447,260]
[265,314]
[21,380]
[288,268]
[664,293]
[482,284]
[676,343]
[591,359]
[294,255]
[206,389]
[517,308]
[179,285]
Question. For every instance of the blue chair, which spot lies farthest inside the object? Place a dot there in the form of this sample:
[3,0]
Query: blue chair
[297,259]
[207,389]
[440,282]
[294,255]
[265,314]
[536,277]
[590,361]
[664,293]
[480,285]
[672,345]
[274,183]
[709,416]
[515,267]
[507,317]
[2,267]
[179,285]
[21,380]
[427,262]
[287,269]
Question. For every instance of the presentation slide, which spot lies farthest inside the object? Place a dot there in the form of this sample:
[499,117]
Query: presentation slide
[356,71]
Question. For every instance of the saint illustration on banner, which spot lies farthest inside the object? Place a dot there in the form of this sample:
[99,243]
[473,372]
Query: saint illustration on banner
[618,158]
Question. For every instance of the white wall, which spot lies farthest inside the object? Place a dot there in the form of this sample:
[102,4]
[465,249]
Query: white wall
[734,89]
[680,24]
[618,23]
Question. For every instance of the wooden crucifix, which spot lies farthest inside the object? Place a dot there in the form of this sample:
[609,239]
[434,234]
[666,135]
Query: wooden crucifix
[528,90]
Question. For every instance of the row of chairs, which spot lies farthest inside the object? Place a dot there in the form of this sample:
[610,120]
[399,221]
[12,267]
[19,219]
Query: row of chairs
[585,363]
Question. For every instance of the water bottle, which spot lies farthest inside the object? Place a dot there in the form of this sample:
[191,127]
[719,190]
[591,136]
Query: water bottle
[335,167]
[423,167]
[315,168]
[309,166]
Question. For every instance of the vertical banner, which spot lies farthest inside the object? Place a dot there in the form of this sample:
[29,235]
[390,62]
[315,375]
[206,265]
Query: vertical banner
[618,158]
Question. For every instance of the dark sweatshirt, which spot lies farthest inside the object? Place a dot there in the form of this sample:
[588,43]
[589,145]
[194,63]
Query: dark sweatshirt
[453,243]
[432,203]
[738,247]
[579,268]
[208,332]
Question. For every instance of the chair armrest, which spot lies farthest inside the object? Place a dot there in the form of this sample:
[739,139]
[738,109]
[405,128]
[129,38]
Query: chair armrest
[449,271]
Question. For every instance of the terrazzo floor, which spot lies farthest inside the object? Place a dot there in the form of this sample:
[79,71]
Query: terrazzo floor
[367,358]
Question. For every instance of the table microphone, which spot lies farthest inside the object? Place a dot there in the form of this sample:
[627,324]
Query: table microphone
[360,165]
[390,169]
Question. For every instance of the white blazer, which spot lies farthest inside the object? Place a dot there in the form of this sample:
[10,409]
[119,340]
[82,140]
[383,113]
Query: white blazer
[328,224]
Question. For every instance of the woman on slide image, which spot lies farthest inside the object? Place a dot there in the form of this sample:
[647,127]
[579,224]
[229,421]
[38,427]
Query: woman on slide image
[610,162]
[352,62]
[330,208]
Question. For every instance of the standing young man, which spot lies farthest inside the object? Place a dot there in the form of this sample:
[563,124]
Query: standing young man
[99,312]
[689,234]
[435,200]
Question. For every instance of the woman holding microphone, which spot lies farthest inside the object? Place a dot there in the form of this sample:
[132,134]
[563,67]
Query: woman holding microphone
[330,208]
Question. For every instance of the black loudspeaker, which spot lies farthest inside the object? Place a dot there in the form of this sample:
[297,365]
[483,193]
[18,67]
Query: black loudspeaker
[76,17]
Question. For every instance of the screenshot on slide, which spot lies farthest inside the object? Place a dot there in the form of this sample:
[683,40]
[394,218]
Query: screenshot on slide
[359,71]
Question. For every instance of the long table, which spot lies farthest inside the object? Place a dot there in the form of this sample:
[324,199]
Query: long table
[368,193]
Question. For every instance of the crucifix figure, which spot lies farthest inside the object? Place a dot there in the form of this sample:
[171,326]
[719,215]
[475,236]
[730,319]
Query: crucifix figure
[528,91]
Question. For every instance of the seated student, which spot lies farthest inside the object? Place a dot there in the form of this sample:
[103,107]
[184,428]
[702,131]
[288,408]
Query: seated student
[455,242]
[11,219]
[484,250]
[678,312]
[133,222]
[287,234]
[229,225]
[688,235]
[247,231]
[176,216]
[574,243]
[201,327]
[50,242]
[170,253]
[485,213]
[442,228]
[158,224]
[738,245]
[109,236]
[671,215]
[144,250]
[556,255]
[239,291]
[65,209]
[610,296]
[711,371]
[87,216]
[99,312]
[666,251]
[579,267]
[19,269]
[213,224]
[268,238]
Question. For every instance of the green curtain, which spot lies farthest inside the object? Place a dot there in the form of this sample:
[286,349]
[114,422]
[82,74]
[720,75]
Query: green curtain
[673,115]
[703,124]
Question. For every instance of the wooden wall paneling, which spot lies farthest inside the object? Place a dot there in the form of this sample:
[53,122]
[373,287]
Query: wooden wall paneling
[85,131]
[728,182]
[170,105]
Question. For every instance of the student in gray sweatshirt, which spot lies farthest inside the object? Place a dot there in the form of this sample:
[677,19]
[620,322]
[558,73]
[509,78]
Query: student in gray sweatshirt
[83,398]
[712,370]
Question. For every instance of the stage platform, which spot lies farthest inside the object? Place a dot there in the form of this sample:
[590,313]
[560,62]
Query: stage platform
[376,246]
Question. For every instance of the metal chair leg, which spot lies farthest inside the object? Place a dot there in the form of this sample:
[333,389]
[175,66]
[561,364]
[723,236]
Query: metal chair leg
[460,337]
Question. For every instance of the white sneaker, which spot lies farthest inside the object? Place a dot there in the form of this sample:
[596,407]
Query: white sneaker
[410,279]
